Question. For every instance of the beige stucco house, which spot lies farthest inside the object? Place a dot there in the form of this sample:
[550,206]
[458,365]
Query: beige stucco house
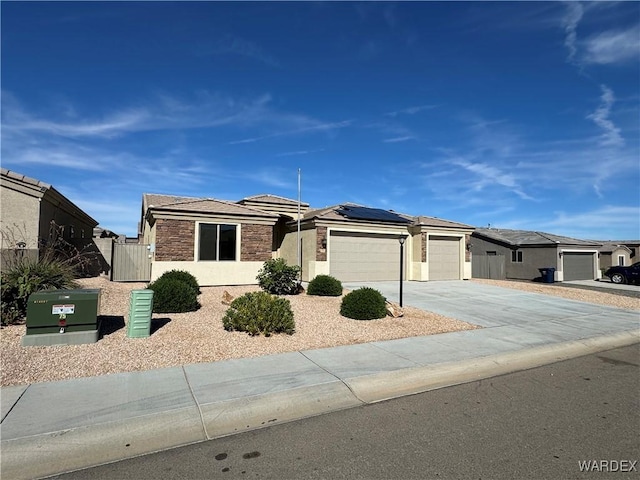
[27,209]
[613,254]
[226,243]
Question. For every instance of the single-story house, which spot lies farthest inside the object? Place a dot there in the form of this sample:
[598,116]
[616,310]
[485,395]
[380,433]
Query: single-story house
[612,254]
[525,252]
[226,243]
[30,209]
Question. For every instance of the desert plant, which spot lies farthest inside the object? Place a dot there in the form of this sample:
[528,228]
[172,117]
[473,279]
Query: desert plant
[259,312]
[173,296]
[29,276]
[325,285]
[278,278]
[183,276]
[364,304]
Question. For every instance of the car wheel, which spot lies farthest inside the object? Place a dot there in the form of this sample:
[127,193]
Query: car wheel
[617,278]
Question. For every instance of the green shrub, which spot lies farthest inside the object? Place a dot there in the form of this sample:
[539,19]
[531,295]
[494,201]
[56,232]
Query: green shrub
[183,276]
[364,304]
[278,278]
[259,312]
[30,276]
[325,285]
[173,296]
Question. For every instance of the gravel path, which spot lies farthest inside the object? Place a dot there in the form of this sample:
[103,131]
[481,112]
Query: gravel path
[196,337]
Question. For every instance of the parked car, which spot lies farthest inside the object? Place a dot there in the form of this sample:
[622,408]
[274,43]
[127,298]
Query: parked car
[619,274]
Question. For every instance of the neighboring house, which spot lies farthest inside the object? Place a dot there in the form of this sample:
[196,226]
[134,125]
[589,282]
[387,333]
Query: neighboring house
[30,209]
[612,254]
[226,243]
[525,252]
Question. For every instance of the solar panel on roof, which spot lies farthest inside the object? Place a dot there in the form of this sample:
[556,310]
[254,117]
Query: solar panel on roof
[366,213]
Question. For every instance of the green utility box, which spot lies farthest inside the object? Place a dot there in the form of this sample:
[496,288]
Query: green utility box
[140,310]
[63,317]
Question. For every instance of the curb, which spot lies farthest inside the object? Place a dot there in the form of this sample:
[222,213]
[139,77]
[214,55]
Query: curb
[89,446]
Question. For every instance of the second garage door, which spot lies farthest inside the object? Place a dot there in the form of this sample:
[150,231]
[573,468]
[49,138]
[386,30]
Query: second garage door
[356,257]
[444,258]
[578,266]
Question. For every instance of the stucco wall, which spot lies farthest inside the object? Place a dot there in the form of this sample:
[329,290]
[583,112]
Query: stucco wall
[19,221]
[213,273]
[74,228]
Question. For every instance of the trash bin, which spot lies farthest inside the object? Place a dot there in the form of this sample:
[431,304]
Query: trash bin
[140,310]
[547,274]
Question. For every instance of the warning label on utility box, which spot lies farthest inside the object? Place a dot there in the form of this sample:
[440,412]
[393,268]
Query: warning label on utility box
[62,309]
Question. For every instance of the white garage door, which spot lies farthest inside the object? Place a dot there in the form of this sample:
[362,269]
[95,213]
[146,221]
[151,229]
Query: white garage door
[444,258]
[578,266]
[356,257]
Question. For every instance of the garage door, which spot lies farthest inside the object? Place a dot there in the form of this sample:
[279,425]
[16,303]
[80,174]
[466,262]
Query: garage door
[578,266]
[444,258]
[357,257]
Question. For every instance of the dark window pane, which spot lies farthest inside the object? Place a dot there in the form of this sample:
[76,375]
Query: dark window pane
[208,242]
[227,242]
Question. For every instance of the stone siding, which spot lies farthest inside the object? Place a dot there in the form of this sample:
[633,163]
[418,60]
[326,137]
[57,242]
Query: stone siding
[175,240]
[256,243]
[321,252]
[423,256]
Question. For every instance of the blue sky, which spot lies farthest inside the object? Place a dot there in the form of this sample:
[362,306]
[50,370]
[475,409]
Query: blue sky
[519,115]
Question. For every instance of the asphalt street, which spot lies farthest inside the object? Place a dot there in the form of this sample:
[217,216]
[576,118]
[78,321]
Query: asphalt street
[546,422]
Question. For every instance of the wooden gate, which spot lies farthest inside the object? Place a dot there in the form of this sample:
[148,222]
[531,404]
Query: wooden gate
[131,263]
[488,266]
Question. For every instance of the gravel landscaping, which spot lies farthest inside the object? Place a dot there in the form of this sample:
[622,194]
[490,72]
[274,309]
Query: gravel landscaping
[196,337]
[618,298]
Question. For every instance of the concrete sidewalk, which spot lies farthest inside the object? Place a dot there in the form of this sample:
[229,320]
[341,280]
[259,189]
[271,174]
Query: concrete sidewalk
[50,428]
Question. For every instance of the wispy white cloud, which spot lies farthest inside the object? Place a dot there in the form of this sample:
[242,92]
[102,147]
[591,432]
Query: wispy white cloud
[608,47]
[399,139]
[490,175]
[611,134]
[411,110]
[572,18]
[613,46]
[316,127]
[598,223]
[299,152]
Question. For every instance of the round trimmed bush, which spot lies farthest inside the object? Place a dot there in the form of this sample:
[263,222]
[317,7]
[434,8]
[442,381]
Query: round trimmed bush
[173,296]
[325,285]
[364,304]
[259,312]
[183,276]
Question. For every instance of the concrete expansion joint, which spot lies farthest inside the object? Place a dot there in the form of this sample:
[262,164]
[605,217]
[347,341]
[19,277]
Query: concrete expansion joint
[15,403]
[337,378]
[202,422]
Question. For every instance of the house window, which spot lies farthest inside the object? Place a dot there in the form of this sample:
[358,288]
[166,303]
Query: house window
[217,242]
[621,260]
[492,252]
[516,256]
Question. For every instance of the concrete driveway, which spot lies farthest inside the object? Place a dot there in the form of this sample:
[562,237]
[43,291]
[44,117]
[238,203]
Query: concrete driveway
[490,306]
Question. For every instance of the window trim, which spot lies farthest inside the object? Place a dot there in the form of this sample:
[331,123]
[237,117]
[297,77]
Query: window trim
[517,256]
[621,260]
[196,250]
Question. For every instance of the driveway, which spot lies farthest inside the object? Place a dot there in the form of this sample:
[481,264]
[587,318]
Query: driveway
[491,306]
